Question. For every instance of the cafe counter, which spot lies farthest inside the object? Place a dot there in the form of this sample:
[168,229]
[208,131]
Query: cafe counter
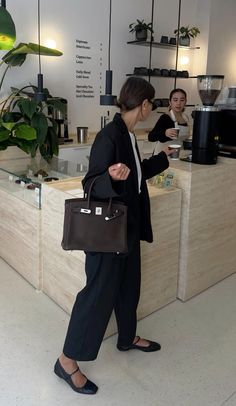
[194,226]
[207,252]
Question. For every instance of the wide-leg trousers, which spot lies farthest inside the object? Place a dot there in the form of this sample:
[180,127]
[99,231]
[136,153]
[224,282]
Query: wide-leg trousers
[113,282]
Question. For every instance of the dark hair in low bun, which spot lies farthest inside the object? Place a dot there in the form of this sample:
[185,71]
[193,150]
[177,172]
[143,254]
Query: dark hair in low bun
[133,92]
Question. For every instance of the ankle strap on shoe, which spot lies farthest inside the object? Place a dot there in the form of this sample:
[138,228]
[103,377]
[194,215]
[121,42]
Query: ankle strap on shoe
[77,369]
[137,340]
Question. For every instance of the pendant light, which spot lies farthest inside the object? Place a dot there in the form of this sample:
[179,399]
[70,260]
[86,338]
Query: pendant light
[39,94]
[7,28]
[108,99]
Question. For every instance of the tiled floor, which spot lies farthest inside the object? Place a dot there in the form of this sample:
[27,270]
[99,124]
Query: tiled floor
[196,366]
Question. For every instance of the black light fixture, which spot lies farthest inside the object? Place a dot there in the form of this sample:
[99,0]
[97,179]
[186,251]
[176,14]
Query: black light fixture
[108,99]
[7,28]
[39,94]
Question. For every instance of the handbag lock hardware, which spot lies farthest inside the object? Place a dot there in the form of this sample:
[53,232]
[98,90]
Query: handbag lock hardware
[86,211]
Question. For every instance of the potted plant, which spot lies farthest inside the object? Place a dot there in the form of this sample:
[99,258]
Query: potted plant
[141,29]
[24,122]
[183,34]
[27,124]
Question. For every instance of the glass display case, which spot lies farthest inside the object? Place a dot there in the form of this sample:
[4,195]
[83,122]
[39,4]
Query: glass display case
[24,177]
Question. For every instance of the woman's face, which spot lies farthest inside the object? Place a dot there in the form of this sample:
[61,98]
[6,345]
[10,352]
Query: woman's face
[177,102]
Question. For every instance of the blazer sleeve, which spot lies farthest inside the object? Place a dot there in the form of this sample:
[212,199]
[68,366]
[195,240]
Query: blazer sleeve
[102,156]
[158,132]
[154,165]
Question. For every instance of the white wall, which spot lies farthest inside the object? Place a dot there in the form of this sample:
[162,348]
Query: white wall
[88,20]
[222,43]
[66,22]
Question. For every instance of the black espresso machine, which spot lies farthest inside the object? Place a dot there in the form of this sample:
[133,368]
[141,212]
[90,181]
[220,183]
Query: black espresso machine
[227,144]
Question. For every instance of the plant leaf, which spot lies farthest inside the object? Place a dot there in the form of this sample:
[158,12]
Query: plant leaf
[45,151]
[4,135]
[33,49]
[11,116]
[25,132]
[24,145]
[53,141]
[17,55]
[8,31]
[14,60]
[9,126]
[39,122]
[28,107]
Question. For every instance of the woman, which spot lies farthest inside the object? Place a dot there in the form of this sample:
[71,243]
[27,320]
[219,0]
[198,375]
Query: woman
[113,280]
[164,131]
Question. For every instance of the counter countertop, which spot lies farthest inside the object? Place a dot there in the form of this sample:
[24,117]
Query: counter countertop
[141,135]
[192,167]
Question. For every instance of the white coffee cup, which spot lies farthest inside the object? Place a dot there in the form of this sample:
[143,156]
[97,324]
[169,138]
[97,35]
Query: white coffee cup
[176,151]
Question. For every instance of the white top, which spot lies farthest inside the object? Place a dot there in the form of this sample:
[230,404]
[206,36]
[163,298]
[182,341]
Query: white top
[132,138]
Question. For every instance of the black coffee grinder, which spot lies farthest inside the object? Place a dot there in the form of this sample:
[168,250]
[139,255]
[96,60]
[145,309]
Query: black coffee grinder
[206,126]
[61,119]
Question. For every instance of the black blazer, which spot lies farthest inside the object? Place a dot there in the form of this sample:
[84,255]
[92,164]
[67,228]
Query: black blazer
[113,145]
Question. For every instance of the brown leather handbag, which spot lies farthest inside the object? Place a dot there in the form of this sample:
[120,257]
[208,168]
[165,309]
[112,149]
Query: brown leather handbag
[95,226]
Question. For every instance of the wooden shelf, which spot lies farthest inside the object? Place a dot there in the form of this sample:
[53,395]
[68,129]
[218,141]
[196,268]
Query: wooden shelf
[159,45]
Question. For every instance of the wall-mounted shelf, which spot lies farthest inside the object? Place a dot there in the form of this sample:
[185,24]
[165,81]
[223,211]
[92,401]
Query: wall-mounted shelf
[170,72]
[162,77]
[159,45]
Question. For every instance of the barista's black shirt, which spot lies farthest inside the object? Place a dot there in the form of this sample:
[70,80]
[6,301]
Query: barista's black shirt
[158,132]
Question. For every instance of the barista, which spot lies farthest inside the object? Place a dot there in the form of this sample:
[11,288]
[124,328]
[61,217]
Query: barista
[164,131]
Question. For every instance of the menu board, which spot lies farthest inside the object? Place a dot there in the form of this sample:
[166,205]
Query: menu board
[86,73]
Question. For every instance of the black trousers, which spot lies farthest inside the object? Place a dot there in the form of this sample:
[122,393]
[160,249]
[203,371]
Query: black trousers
[113,282]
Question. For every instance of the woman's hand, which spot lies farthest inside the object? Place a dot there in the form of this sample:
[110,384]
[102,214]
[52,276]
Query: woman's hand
[168,150]
[119,171]
[171,133]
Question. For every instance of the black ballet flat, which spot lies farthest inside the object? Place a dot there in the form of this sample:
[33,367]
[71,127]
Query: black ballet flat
[88,389]
[153,346]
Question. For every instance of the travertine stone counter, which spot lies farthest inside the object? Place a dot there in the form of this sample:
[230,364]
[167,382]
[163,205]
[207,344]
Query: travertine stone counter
[208,224]
[20,240]
[63,272]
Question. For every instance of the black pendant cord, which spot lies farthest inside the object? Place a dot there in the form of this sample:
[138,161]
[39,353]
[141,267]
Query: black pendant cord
[108,99]
[39,36]
[39,95]
[177,40]
[109,40]
[151,41]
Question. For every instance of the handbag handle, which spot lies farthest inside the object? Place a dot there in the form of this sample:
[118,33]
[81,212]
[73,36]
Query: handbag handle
[89,195]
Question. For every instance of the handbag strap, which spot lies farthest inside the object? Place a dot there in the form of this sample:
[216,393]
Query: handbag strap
[89,194]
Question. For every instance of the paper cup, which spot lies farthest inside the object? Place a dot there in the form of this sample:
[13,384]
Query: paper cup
[176,151]
[176,131]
